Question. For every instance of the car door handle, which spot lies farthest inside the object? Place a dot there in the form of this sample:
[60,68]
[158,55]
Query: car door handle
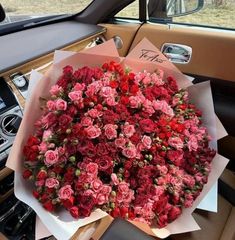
[177,53]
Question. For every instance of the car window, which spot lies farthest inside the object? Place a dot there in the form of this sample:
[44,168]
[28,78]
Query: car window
[215,13]
[220,13]
[25,9]
[130,11]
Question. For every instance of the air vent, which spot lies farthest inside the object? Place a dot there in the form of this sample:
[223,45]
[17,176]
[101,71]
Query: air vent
[10,124]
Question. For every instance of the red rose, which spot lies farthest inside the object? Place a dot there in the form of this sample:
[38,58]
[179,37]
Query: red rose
[176,157]
[174,213]
[124,100]
[49,206]
[32,141]
[147,125]
[124,212]
[65,120]
[102,149]
[74,211]
[87,203]
[104,162]
[36,194]
[42,174]
[68,203]
[44,197]
[32,157]
[134,89]
[113,84]
[159,205]
[68,70]
[124,86]
[162,220]
[27,174]
[116,212]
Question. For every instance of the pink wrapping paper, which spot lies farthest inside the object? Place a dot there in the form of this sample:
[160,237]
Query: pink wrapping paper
[64,226]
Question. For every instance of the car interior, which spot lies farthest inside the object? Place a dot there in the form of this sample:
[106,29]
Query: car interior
[30,44]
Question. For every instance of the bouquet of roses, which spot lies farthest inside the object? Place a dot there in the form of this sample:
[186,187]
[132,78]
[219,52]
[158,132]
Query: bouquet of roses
[129,143]
[103,134]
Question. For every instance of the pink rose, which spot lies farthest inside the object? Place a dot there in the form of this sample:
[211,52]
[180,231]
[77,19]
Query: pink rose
[101,199]
[43,147]
[79,87]
[103,196]
[51,105]
[75,96]
[48,120]
[96,185]
[65,192]
[189,180]
[111,101]
[147,80]
[110,131]
[162,105]
[47,134]
[192,143]
[135,101]
[120,142]
[51,157]
[106,190]
[93,88]
[40,183]
[148,107]
[94,113]
[52,183]
[176,142]
[61,104]
[129,152]
[147,141]
[55,89]
[188,202]
[124,194]
[107,92]
[114,179]
[157,78]
[128,129]
[86,121]
[92,169]
[93,132]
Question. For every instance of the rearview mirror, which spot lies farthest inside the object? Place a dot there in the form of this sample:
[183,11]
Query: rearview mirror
[176,8]
[2,13]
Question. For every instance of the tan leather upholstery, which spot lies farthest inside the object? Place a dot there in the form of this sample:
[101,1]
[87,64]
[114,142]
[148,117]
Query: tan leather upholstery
[125,31]
[210,48]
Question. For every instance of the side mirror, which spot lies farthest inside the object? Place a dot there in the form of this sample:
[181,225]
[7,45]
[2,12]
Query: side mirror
[175,8]
[2,14]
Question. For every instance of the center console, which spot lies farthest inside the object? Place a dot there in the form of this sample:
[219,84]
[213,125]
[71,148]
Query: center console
[10,119]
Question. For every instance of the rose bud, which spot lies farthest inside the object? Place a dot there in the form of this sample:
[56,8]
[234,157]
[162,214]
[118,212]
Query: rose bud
[72,159]
[77,172]
[27,174]
[36,194]
[68,131]
[74,211]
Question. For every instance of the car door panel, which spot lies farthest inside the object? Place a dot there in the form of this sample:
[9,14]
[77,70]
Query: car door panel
[212,52]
